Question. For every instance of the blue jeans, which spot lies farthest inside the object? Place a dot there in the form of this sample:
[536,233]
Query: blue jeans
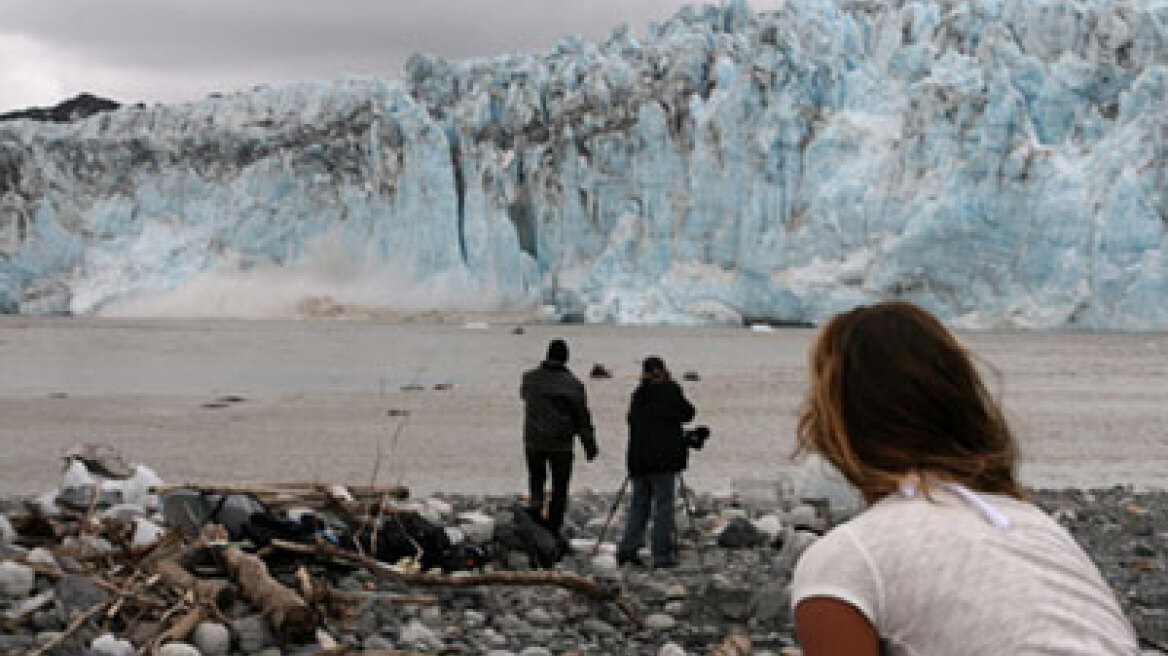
[657,491]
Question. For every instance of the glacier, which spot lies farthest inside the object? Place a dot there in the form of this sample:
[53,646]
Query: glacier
[1003,163]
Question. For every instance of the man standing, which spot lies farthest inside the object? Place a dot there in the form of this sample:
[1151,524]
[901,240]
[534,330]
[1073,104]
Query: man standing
[556,410]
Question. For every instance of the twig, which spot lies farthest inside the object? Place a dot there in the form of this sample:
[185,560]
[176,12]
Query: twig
[72,628]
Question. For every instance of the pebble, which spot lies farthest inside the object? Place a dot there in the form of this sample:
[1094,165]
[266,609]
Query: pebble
[593,625]
[212,639]
[540,617]
[376,643]
[671,649]
[41,556]
[660,622]
[7,533]
[178,649]
[431,615]
[16,580]
[417,634]
[536,651]
[252,634]
[109,645]
[803,516]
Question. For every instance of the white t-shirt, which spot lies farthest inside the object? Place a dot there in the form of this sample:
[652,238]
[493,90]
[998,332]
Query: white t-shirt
[935,578]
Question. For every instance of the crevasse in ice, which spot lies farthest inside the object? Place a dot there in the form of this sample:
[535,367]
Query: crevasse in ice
[1002,162]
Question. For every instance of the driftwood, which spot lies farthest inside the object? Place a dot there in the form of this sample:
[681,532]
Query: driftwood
[219,594]
[735,644]
[288,614]
[573,582]
[180,629]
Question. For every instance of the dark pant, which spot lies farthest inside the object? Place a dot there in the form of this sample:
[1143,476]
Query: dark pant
[560,464]
[656,491]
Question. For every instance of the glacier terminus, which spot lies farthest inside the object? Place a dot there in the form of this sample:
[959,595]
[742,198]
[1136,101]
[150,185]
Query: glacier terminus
[1003,163]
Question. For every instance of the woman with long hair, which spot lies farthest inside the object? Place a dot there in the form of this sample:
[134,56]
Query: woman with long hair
[948,557]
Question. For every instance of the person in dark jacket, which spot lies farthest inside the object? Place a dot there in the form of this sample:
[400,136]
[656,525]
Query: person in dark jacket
[556,410]
[657,452]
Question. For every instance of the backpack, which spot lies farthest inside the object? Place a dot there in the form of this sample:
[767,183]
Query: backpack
[519,530]
[407,535]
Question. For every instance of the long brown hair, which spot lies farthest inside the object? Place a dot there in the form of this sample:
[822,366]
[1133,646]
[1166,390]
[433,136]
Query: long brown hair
[893,393]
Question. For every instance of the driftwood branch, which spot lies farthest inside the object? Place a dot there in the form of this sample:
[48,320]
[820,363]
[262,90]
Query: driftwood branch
[573,582]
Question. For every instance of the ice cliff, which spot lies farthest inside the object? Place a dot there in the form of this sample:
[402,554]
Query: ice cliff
[1002,162]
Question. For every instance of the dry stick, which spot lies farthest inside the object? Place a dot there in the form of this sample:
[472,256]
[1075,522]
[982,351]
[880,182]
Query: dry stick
[72,628]
[573,582]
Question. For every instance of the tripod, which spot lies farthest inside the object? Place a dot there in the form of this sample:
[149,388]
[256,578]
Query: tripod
[685,492]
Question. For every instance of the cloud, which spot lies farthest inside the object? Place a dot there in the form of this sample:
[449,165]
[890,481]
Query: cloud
[168,50]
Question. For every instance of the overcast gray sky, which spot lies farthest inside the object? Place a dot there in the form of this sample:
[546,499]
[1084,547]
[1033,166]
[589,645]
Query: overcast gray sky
[175,50]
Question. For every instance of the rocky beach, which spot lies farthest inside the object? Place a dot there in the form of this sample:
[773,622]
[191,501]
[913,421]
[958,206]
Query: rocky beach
[737,554]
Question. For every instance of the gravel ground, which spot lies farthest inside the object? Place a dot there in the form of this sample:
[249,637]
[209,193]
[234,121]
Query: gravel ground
[716,591]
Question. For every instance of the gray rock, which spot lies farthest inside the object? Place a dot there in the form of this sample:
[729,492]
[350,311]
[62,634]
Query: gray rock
[108,645]
[7,533]
[178,649]
[78,593]
[376,643]
[16,643]
[595,626]
[660,622]
[473,619]
[270,651]
[417,634]
[16,580]
[252,633]
[41,556]
[740,533]
[803,516]
[500,652]
[536,651]
[671,649]
[541,617]
[770,603]
[212,639]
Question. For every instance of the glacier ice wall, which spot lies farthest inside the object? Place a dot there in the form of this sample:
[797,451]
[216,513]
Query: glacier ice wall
[1002,162]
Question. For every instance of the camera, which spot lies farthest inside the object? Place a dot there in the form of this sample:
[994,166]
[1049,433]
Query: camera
[695,438]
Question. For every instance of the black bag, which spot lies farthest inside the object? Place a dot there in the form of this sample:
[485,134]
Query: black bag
[527,534]
[407,535]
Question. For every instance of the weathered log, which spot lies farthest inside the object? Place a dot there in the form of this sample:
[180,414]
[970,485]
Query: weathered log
[180,629]
[219,594]
[291,619]
[573,582]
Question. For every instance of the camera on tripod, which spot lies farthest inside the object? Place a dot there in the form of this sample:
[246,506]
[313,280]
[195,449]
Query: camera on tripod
[695,438]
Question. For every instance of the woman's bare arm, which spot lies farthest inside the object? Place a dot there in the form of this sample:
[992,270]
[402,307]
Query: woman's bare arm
[830,627]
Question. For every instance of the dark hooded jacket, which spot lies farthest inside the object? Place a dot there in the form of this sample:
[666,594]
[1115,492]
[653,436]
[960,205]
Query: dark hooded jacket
[656,444]
[556,409]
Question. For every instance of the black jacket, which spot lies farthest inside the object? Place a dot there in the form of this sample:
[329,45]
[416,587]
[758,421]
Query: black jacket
[656,445]
[556,409]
